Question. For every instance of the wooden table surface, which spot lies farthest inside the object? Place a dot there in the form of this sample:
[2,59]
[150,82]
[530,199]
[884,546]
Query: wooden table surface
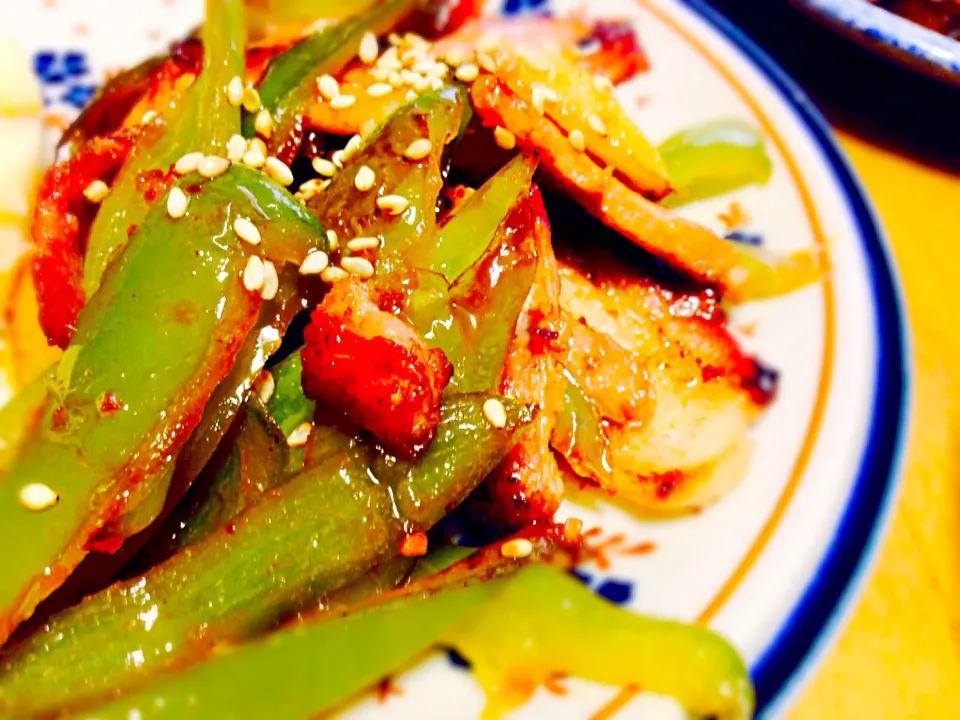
[899,654]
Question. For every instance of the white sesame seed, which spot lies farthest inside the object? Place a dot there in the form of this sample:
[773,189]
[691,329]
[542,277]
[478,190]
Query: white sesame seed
[436,84]
[495,413]
[486,62]
[537,99]
[488,42]
[177,202]
[246,231]
[379,74]
[333,274]
[254,158]
[213,166]
[577,140]
[369,48]
[379,89]
[251,99]
[271,282]
[365,179]
[602,83]
[418,149]
[148,117]
[37,497]
[235,91]
[328,86]
[96,191]
[278,171]
[393,204]
[517,548]
[361,267]
[596,124]
[253,274]
[265,386]
[395,79]
[353,144]
[300,435]
[236,147]
[312,187]
[421,85]
[332,241]
[258,145]
[314,263]
[363,243]
[504,138]
[323,167]
[368,127]
[263,124]
[337,159]
[188,163]
[410,96]
[456,55]
[394,39]
[467,72]
[341,102]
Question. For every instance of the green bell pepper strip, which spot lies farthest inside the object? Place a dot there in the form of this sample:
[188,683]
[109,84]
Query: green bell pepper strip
[466,235]
[203,121]
[288,406]
[296,545]
[713,158]
[19,417]
[383,578]
[545,622]
[474,319]
[366,641]
[290,82]
[174,311]
[578,435]
[434,116]
[285,675]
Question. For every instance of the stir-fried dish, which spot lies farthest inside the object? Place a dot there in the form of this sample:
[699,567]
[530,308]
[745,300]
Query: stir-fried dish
[331,283]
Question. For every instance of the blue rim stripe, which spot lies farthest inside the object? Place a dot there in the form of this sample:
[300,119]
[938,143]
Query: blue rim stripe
[815,618]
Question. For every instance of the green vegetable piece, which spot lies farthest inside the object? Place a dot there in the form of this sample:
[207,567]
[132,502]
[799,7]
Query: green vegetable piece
[351,213]
[202,121]
[288,406]
[578,435]
[713,158]
[545,622]
[172,309]
[18,417]
[463,239]
[289,84]
[385,576]
[297,544]
[300,671]
[263,15]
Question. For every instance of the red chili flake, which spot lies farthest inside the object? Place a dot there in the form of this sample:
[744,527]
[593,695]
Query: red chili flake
[59,419]
[108,403]
[414,545]
[386,688]
[553,684]
[131,228]
[711,372]
[666,482]
[229,528]
[641,548]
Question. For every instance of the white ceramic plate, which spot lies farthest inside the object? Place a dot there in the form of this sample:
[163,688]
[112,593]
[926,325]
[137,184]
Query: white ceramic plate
[774,564]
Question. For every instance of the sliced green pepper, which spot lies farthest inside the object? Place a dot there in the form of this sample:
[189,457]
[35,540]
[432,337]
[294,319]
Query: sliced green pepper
[288,406]
[290,81]
[545,622]
[466,235]
[203,121]
[713,158]
[578,435]
[173,310]
[351,213]
[297,544]
[284,675]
